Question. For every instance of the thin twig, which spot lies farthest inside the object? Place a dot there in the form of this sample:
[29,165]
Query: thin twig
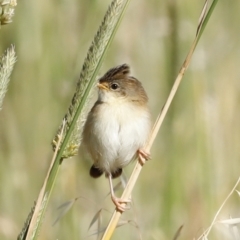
[206,233]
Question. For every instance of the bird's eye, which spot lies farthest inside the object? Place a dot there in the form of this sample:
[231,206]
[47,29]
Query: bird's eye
[114,86]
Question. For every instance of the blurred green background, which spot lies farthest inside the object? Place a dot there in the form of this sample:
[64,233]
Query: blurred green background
[195,158]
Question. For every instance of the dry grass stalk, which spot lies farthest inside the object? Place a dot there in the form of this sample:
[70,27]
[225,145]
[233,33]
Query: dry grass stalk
[138,167]
[206,233]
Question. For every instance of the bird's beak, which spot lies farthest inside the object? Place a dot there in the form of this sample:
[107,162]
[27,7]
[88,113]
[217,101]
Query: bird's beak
[102,86]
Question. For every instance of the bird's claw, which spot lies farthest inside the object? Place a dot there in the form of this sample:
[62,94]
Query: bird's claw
[118,203]
[143,156]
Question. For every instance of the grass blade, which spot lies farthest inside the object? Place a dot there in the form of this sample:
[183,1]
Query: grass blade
[68,138]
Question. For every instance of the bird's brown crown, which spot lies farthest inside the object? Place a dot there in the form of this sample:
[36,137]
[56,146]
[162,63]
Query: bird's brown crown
[118,80]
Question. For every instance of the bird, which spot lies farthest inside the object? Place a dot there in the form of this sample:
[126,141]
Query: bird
[117,127]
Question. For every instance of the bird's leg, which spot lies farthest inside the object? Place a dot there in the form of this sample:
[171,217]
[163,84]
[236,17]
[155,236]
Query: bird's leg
[143,156]
[117,201]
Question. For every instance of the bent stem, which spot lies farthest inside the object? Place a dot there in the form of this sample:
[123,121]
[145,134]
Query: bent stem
[204,17]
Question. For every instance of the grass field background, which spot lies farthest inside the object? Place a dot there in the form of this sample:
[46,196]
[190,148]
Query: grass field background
[195,159]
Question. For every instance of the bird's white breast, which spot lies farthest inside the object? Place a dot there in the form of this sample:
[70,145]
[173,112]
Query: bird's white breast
[118,131]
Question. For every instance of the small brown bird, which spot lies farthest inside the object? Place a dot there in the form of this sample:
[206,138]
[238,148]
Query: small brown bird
[117,126]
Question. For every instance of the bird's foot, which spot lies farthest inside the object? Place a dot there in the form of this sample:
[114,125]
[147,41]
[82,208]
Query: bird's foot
[143,156]
[118,203]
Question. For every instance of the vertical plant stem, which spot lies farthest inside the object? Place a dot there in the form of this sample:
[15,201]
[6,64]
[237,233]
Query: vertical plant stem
[92,63]
[204,17]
